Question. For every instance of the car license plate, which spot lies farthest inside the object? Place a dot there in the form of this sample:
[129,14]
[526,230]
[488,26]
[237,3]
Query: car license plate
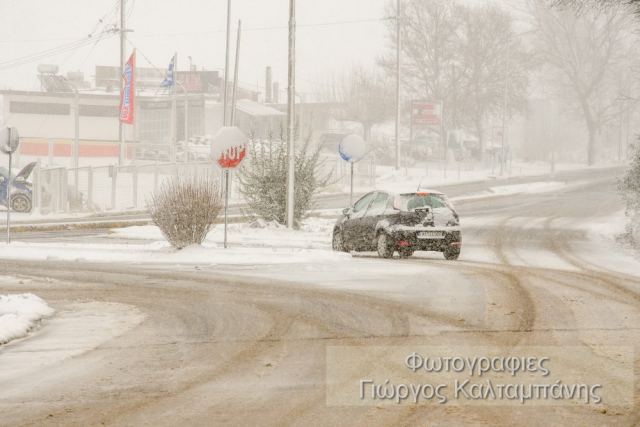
[430,235]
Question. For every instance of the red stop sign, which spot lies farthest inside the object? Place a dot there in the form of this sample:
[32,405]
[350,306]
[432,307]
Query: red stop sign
[231,157]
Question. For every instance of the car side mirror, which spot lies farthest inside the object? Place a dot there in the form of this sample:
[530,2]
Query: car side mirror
[346,211]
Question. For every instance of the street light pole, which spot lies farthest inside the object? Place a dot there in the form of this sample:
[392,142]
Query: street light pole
[398,47]
[174,111]
[122,59]
[234,95]
[291,92]
[226,67]
[76,137]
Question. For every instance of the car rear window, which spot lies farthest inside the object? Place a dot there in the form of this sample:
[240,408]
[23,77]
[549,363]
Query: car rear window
[411,201]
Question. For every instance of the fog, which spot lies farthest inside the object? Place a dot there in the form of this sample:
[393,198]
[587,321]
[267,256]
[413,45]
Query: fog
[486,88]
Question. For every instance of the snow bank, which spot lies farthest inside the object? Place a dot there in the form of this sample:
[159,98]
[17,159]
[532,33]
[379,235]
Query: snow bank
[507,190]
[606,227]
[161,252]
[254,243]
[19,314]
[315,233]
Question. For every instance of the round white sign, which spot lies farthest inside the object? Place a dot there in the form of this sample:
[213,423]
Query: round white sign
[352,148]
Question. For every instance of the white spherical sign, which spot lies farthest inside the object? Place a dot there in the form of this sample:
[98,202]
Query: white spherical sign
[352,148]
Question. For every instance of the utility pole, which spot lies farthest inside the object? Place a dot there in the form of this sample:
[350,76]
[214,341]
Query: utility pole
[226,67]
[123,36]
[398,48]
[291,118]
[504,110]
[174,111]
[235,76]
[76,136]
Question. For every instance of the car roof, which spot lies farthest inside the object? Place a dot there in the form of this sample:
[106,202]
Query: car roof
[397,193]
[428,190]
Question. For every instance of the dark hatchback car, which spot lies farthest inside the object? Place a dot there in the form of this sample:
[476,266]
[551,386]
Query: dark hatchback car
[21,192]
[407,222]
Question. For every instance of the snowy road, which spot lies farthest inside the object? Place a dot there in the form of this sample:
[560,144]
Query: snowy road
[246,345]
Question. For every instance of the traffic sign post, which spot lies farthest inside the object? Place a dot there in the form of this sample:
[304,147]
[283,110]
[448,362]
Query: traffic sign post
[228,149]
[9,142]
[352,149]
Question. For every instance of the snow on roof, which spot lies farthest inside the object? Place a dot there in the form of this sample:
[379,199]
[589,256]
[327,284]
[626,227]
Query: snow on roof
[253,108]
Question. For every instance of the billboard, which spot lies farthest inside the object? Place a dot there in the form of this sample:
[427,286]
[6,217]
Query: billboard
[426,113]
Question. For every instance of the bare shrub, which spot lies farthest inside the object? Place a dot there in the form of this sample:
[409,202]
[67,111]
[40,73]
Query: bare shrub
[184,209]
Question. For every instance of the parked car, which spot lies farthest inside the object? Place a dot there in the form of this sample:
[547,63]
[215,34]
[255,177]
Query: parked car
[21,192]
[407,222]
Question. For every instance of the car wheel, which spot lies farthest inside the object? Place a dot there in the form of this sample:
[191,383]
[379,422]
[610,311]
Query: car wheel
[20,203]
[385,245]
[450,255]
[337,243]
[405,253]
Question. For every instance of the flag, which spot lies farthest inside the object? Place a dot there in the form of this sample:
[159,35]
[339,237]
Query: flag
[169,76]
[127,94]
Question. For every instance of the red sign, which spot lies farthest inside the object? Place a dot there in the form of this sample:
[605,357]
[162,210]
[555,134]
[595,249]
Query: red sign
[426,113]
[128,90]
[231,157]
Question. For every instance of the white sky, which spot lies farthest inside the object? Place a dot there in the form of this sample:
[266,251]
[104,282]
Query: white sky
[196,28]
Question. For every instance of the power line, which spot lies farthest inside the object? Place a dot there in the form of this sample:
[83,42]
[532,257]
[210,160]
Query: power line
[101,30]
[273,28]
[59,50]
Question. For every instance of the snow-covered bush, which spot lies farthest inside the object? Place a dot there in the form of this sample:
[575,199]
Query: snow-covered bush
[184,209]
[263,179]
[630,187]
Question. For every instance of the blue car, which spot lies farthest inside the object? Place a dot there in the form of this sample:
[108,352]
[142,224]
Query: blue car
[21,191]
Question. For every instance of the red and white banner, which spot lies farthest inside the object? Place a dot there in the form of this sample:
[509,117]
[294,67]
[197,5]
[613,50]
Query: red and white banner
[127,95]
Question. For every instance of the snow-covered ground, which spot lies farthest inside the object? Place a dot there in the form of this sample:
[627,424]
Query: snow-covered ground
[249,244]
[76,329]
[19,314]
[315,233]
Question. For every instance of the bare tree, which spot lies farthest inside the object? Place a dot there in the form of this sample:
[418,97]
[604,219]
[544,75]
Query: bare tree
[495,67]
[586,51]
[365,96]
[430,45]
[579,5]
[467,57]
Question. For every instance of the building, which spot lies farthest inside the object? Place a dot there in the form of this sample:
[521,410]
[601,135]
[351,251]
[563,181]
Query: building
[46,118]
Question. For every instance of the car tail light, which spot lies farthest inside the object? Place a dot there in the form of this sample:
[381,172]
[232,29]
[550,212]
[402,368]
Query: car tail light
[403,243]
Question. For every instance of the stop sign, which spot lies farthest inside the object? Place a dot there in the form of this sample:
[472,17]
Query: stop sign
[229,147]
[232,157]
